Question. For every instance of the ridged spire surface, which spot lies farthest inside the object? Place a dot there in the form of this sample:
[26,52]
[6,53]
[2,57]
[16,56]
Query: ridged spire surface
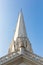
[20,28]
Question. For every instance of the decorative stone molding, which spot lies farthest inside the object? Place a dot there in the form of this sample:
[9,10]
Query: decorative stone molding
[22,42]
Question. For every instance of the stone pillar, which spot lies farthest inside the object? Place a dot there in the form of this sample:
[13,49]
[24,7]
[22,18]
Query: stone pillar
[22,50]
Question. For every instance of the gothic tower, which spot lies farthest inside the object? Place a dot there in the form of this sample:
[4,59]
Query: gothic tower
[20,51]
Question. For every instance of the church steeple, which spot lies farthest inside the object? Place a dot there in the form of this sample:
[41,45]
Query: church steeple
[20,28]
[20,41]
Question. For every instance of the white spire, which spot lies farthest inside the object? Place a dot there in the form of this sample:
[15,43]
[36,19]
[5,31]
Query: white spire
[20,40]
[20,28]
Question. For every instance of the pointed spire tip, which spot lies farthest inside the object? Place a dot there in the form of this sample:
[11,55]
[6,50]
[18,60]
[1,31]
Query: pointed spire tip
[21,10]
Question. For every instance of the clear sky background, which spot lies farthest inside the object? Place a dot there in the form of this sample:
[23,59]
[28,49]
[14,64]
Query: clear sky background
[33,16]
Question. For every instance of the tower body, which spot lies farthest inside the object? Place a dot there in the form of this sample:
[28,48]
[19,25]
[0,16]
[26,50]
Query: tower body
[20,51]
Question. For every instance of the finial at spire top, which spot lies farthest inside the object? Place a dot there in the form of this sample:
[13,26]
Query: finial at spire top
[21,9]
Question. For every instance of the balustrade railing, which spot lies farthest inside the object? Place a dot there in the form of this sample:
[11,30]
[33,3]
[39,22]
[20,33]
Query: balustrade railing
[34,56]
[14,54]
[8,57]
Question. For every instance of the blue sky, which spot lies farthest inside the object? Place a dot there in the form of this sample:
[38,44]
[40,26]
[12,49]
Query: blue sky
[33,16]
